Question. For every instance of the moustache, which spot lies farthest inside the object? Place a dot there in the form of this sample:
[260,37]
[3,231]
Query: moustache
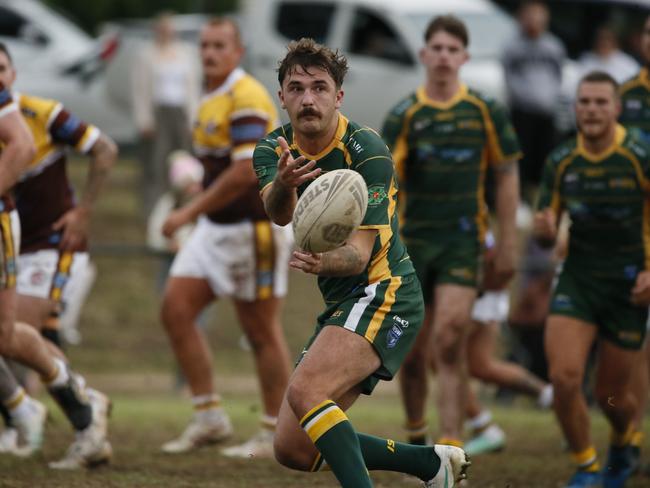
[307,112]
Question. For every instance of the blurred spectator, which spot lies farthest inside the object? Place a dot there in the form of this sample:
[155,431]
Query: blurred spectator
[533,70]
[165,94]
[606,56]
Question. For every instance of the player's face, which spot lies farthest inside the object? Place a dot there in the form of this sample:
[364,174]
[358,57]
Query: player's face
[597,109]
[443,55]
[7,71]
[220,51]
[645,41]
[311,100]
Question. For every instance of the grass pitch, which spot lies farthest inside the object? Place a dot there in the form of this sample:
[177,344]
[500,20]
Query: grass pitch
[125,354]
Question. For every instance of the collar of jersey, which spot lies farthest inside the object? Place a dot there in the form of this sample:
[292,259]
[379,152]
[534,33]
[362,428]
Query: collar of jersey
[425,100]
[619,137]
[336,140]
[234,76]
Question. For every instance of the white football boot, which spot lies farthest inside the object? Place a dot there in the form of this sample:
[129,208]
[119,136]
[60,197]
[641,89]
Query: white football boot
[453,467]
[202,430]
[8,439]
[29,429]
[90,447]
[258,446]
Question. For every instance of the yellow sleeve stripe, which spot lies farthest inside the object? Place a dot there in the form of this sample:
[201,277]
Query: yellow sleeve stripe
[645,183]
[556,200]
[53,115]
[7,109]
[374,157]
[496,153]
[400,151]
[88,140]
[243,151]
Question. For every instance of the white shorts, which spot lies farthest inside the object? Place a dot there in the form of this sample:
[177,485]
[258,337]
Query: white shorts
[246,260]
[492,306]
[50,274]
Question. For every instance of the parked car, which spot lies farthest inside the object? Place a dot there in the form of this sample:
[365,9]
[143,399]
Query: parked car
[55,59]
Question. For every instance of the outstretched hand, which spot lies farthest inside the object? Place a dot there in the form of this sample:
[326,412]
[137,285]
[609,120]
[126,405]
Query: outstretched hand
[294,172]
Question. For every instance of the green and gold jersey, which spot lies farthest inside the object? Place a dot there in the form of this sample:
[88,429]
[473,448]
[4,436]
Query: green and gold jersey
[635,100]
[441,153]
[362,150]
[607,196]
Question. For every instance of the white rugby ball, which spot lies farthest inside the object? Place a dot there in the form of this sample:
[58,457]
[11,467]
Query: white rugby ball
[330,210]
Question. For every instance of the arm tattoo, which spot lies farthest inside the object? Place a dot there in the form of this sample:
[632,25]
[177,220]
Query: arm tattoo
[280,203]
[344,261]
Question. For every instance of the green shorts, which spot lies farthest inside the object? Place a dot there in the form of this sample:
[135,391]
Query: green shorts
[454,261]
[388,314]
[602,302]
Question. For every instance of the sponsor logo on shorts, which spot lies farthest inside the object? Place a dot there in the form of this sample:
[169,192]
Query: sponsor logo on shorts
[629,336]
[336,314]
[403,322]
[464,273]
[562,301]
[394,335]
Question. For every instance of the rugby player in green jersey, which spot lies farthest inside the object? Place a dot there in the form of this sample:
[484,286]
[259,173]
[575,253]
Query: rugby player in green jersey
[443,137]
[635,115]
[601,178]
[373,298]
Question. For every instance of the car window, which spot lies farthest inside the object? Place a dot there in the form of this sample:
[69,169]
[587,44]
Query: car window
[14,26]
[488,31]
[295,20]
[373,37]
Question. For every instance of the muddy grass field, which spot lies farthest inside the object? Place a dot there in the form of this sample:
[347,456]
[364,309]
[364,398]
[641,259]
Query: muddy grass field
[144,418]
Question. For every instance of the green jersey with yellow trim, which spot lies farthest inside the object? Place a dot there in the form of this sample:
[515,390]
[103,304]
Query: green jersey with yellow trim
[362,150]
[607,196]
[441,153]
[635,101]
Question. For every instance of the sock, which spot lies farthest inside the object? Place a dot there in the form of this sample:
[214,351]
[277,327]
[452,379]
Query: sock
[416,432]
[545,397]
[207,408]
[60,377]
[450,441]
[69,393]
[637,438]
[586,460]
[20,405]
[4,412]
[620,439]
[268,422]
[330,430]
[479,422]
[388,455]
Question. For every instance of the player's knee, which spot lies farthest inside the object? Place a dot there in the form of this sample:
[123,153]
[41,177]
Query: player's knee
[565,380]
[610,397]
[290,457]
[480,370]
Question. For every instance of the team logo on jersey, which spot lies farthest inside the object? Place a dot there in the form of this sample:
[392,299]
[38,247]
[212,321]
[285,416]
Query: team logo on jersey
[376,194]
[393,336]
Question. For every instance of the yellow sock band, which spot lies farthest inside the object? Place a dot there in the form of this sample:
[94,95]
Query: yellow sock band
[586,460]
[622,438]
[16,399]
[637,438]
[450,441]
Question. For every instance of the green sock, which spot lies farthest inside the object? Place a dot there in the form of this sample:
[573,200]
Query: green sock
[388,455]
[330,430]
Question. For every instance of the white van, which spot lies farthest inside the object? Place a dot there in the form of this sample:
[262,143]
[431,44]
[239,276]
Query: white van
[381,39]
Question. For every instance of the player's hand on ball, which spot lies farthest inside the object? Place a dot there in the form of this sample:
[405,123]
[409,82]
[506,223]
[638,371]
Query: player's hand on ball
[294,172]
[641,290]
[307,262]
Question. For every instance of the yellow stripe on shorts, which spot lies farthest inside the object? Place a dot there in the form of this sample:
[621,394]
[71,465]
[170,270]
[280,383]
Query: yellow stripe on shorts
[264,259]
[8,273]
[62,270]
[380,314]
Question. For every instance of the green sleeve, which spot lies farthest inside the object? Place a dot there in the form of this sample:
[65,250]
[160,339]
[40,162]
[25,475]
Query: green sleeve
[502,140]
[548,194]
[378,172]
[265,162]
[392,127]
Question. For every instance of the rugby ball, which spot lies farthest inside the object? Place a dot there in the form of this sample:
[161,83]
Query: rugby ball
[330,209]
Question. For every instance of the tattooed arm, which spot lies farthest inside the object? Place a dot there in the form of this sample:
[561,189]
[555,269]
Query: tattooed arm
[348,260]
